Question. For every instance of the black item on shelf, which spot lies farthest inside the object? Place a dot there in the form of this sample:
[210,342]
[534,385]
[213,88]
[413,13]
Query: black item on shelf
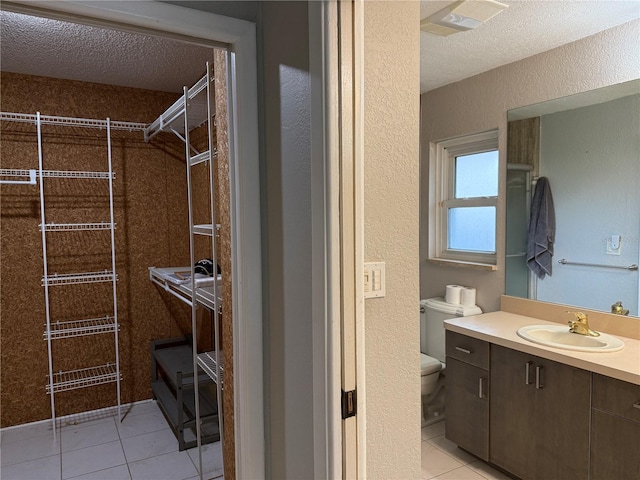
[205,267]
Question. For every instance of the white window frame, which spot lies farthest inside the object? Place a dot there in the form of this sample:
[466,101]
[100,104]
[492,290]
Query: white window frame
[442,179]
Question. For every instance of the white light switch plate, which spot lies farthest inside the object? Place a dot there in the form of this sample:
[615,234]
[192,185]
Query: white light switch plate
[374,279]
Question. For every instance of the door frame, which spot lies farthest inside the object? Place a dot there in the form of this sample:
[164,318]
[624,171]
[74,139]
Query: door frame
[336,53]
[166,20]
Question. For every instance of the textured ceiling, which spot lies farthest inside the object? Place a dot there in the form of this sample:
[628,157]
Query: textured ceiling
[46,47]
[524,29]
[39,46]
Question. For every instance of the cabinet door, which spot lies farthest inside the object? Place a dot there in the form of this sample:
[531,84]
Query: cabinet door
[614,447]
[563,407]
[512,417]
[615,429]
[467,392]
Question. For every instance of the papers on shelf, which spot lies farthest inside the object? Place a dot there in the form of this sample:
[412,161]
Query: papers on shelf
[184,276]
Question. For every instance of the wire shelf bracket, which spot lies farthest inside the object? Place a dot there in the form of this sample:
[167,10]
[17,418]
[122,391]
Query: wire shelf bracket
[13,173]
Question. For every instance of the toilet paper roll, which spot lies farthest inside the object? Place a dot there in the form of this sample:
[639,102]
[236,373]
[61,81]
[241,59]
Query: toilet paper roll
[453,294]
[468,297]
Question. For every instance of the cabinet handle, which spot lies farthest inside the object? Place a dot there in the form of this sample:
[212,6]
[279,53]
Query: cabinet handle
[636,405]
[539,377]
[463,350]
[527,373]
[481,387]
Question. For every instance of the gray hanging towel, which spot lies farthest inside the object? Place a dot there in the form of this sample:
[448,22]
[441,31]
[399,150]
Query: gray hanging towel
[542,230]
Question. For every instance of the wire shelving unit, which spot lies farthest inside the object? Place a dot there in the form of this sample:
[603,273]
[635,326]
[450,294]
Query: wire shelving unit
[196,109]
[56,330]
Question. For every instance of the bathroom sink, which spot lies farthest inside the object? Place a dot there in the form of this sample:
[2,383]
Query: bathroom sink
[559,336]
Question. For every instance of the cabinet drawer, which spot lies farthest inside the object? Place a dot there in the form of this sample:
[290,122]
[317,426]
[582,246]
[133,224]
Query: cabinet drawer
[467,349]
[616,397]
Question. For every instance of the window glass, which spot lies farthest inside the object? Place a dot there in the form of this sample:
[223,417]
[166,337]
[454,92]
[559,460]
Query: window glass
[472,229]
[464,190]
[476,175]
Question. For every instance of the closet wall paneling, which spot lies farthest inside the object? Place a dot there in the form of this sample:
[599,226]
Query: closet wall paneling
[151,229]
[224,254]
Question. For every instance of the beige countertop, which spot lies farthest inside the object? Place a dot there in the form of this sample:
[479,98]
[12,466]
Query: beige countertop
[500,328]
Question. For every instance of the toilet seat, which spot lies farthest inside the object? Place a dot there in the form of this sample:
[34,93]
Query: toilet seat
[429,365]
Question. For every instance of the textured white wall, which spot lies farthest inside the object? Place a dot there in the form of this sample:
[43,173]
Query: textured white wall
[392,325]
[480,103]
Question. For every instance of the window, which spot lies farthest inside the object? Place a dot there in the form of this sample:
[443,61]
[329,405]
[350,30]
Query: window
[464,186]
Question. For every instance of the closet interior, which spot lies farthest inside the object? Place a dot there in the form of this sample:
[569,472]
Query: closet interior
[116,253]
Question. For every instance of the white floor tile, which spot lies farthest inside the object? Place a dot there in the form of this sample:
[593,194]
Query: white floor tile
[171,466]
[215,477]
[141,424]
[487,471]
[462,473]
[88,419]
[150,445]
[140,408]
[433,430]
[115,473]
[92,459]
[47,468]
[452,449]
[88,436]
[435,462]
[29,449]
[27,431]
[211,459]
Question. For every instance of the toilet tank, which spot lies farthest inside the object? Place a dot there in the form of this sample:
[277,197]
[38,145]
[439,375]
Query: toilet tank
[433,313]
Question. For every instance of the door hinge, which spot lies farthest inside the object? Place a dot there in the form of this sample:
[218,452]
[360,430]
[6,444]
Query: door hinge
[349,404]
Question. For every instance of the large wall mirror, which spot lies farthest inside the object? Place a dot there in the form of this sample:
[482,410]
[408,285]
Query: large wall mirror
[588,147]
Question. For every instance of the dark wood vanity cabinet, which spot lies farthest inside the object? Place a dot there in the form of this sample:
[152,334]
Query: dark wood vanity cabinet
[539,419]
[467,383]
[615,429]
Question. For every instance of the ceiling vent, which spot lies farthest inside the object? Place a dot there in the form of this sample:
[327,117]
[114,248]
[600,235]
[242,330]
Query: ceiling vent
[461,16]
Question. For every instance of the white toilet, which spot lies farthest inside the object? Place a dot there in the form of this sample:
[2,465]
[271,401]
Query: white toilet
[433,313]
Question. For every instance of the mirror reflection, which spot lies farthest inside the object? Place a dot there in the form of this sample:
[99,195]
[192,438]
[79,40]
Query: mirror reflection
[588,147]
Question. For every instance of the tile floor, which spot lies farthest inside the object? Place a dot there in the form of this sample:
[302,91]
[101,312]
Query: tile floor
[143,447]
[443,460]
[100,448]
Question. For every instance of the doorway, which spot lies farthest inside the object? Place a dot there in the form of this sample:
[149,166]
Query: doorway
[239,36]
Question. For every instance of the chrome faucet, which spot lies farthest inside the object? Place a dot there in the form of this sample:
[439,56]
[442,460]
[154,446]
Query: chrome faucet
[581,325]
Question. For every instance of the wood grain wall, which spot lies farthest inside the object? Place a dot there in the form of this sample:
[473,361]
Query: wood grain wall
[152,230]
[523,142]
[224,252]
